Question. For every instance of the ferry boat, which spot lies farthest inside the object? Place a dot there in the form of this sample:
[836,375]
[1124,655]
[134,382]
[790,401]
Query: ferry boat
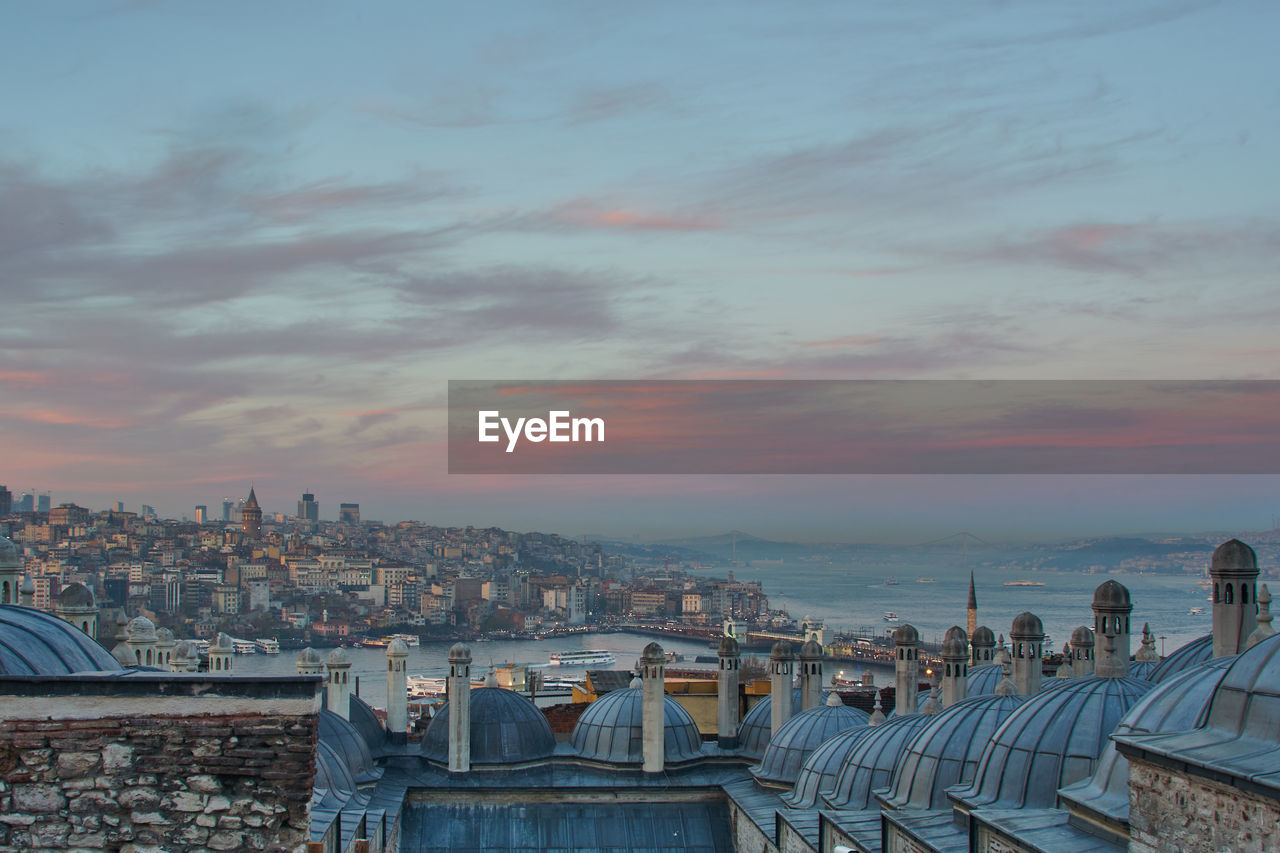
[410,640]
[267,646]
[890,616]
[925,580]
[890,581]
[581,658]
[244,647]
[1024,583]
[421,687]
[1196,611]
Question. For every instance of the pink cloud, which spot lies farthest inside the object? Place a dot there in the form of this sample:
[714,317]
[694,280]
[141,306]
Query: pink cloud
[587,214]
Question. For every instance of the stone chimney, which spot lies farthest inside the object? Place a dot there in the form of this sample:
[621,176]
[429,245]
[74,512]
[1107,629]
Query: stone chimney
[309,662]
[1234,569]
[1027,636]
[397,687]
[221,653]
[458,690]
[653,700]
[955,666]
[810,675]
[906,645]
[1111,609]
[727,718]
[28,594]
[779,685]
[1082,643]
[338,689]
[983,643]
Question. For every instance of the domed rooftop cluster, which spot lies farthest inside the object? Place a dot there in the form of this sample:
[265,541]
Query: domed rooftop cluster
[820,770]
[342,737]
[756,728]
[1186,657]
[506,728]
[611,730]
[801,735]
[37,643]
[869,763]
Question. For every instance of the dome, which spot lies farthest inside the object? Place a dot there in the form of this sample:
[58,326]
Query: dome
[652,653]
[955,631]
[955,647]
[728,646]
[756,728]
[164,636]
[1176,704]
[1054,739]
[1183,658]
[141,630]
[76,596]
[801,735]
[818,774]
[611,730]
[37,643]
[869,765]
[506,728]
[1234,556]
[1082,636]
[781,651]
[1142,669]
[397,648]
[905,635]
[947,750]
[982,636]
[332,775]
[1111,595]
[221,643]
[459,653]
[810,651]
[1027,624]
[338,657]
[310,657]
[8,553]
[983,679]
[342,737]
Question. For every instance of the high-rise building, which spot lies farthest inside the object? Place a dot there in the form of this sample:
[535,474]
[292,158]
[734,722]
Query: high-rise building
[118,506]
[251,517]
[308,509]
[6,501]
[202,513]
[349,513]
[27,503]
[43,502]
[227,504]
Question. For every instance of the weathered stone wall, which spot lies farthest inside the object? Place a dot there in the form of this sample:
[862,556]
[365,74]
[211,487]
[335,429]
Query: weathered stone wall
[112,772]
[1172,812]
[746,835]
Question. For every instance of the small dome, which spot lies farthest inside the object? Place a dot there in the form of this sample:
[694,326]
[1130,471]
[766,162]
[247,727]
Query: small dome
[869,765]
[653,654]
[1111,595]
[781,651]
[38,643]
[728,647]
[76,596]
[757,726]
[309,657]
[984,678]
[459,653]
[1183,658]
[506,728]
[338,657]
[397,648]
[1027,624]
[185,650]
[1082,637]
[339,734]
[947,751]
[141,630]
[818,775]
[1142,669]
[955,648]
[164,637]
[800,736]
[1244,703]
[956,631]
[982,636]
[1234,556]
[810,651]
[8,553]
[906,635]
[1054,739]
[611,730]
[221,643]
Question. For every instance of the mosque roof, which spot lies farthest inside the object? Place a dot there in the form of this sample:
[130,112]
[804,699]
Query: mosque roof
[756,728]
[1183,658]
[611,729]
[36,643]
[818,774]
[869,765]
[801,735]
[348,743]
[506,728]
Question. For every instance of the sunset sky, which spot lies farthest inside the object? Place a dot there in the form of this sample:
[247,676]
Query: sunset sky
[248,242]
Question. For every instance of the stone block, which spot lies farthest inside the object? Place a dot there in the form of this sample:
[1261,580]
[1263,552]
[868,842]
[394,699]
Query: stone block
[139,798]
[185,801]
[204,784]
[228,840]
[217,804]
[74,764]
[116,757]
[38,798]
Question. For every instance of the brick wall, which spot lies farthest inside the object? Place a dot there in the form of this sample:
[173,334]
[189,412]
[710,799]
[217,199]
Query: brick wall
[133,782]
[1173,812]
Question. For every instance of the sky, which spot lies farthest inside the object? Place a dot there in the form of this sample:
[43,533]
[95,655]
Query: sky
[251,243]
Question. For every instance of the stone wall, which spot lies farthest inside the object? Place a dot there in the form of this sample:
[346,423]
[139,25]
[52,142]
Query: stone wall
[1173,812]
[217,769]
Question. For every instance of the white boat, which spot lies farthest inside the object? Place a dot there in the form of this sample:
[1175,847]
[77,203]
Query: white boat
[890,616]
[581,658]
[421,687]
[890,581]
[243,647]
[267,646]
[1196,611]
[410,640]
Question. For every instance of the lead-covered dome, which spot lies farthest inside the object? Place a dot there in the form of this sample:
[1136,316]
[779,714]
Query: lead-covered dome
[756,728]
[141,629]
[36,643]
[1233,556]
[801,735]
[1111,595]
[1052,740]
[1183,658]
[983,636]
[947,750]
[906,635]
[1027,624]
[820,770]
[983,679]
[76,596]
[869,765]
[342,737]
[611,729]
[506,728]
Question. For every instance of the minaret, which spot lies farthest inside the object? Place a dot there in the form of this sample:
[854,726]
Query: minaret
[653,700]
[1264,628]
[251,517]
[398,687]
[906,644]
[338,696]
[309,662]
[955,666]
[983,643]
[971,624]
[1082,643]
[458,688]
[1147,651]
[220,655]
[1111,609]
[727,718]
[810,675]
[10,572]
[1027,635]
[1234,569]
[779,685]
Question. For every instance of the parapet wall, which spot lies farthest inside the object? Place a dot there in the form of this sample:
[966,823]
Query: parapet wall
[157,761]
[1176,812]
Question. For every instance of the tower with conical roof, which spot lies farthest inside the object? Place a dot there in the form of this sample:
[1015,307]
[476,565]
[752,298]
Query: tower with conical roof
[1234,569]
[971,623]
[251,517]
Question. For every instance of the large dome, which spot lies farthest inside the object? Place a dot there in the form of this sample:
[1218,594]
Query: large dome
[1052,740]
[821,768]
[611,729]
[756,728]
[983,679]
[37,643]
[1183,658]
[947,750]
[801,735]
[343,738]
[869,765]
[506,728]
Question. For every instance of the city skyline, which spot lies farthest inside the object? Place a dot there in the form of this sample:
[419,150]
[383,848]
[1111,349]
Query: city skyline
[252,245]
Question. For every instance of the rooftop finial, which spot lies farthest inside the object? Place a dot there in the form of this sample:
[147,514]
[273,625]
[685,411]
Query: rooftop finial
[1264,628]
[877,715]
